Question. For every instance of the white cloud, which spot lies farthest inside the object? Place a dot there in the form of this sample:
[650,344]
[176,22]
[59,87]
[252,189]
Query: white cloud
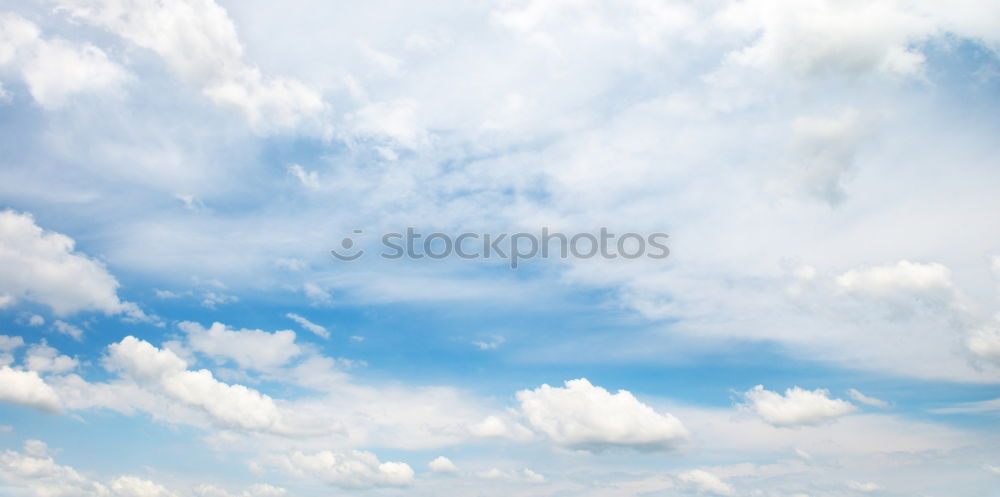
[39,474]
[525,475]
[256,490]
[233,405]
[703,482]
[309,179]
[587,416]
[198,41]
[316,293]
[67,329]
[132,486]
[442,464]
[863,486]
[309,325]
[823,37]
[823,154]
[796,406]
[28,389]
[984,342]
[250,349]
[931,281]
[489,345]
[55,69]
[355,469]
[42,267]
[44,359]
[36,320]
[864,399]
[495,427]
[8,344]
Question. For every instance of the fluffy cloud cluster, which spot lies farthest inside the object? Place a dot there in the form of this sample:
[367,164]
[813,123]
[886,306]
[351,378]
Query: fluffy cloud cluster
[442,464]
[42,267]
[704,482]
[587,416]
[355,469]
[234,405]
[796,407]
[55,69]
[984,342]
[198,41]
[35,470]
[28,389]
[42,359]
[250,349]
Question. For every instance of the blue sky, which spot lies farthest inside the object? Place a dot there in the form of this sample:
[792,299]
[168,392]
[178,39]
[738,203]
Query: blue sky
[175,173]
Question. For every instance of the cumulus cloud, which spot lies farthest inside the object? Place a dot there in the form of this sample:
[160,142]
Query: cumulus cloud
[28,389]
[823,37]
[796,407]
[41,358]
[886,280]
[587,416]
[35,471]
[442,464]
[132,486]
[250,349]
[232,405]
[309,325]
[354,469]
[55,69]
[703,482]
[984,342]
[8,344]
[42,267]
[198,41]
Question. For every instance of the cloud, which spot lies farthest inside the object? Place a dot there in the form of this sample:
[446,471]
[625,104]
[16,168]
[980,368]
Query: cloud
[930,281]
[525,475]
[442,464]
[490,345]
[55,69]
[67,329]
[871,401]
[703,482]
[250,349]
[796,406]
[44,359]
[309,179]
[28,389]
[131,486]
[984,342]
[42,267]
[198,41]
[8,344]
[309,325]
[587,416]
[38,473]
[231,405]
[355,469]
[256,490]
[827,37]
[823,154]
[863,486]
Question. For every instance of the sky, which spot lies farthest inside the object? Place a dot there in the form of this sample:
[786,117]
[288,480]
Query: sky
[178,177]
